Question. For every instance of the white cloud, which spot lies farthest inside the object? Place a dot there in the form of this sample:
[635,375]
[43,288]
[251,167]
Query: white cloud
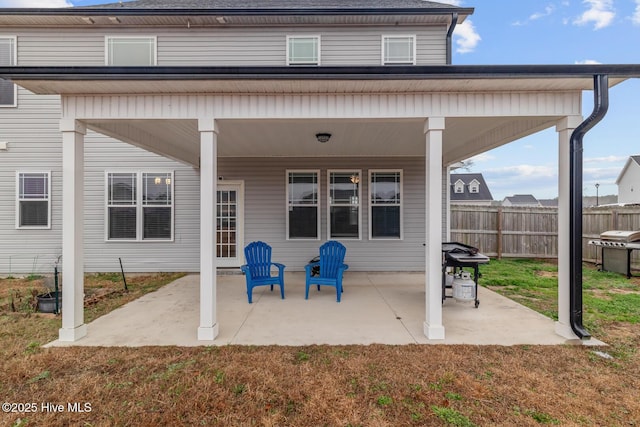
[454,2]
[600,12]
[482,157]
[35,3]
[547,11]
[606,159]
[526,171]
[588,61]
[467,38]
[635,18]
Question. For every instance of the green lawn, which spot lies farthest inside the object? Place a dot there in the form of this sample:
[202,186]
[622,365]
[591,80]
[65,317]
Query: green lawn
[608,298]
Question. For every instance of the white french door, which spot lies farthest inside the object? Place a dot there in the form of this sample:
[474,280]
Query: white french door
[230,224]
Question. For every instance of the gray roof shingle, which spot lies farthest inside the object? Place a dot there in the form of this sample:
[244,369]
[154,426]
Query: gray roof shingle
[522,199]
[275,4]
[483,193]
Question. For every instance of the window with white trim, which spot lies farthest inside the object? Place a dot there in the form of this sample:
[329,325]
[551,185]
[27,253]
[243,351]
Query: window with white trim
[303,50]
[130,50]
[385,204]
[34,200]
[344,204]
[399,50]
[139,206]
[303,205]
[458,187]
[474,186]
[8,58]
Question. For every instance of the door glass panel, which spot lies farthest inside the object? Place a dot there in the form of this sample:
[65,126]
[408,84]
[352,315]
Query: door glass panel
[226,224]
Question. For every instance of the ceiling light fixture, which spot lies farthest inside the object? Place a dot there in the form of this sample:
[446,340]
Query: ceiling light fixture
[323,137]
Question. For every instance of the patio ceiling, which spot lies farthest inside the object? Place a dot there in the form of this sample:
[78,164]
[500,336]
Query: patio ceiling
[180,139]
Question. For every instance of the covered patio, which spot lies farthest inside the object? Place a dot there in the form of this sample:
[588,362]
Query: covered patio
[384,308]
[437,115]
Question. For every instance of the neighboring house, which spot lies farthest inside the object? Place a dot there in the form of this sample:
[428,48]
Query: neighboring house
[628,181]
[548,203]
[469,188]
[523,200]
[171,134]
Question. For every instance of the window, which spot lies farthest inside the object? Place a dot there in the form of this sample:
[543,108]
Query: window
[398,50]
[303,50]
[458,187]
[385,205]
[130,51]
[303,219]
[139,206]
[474,186]
[344,204]
[8,57]
[34,197]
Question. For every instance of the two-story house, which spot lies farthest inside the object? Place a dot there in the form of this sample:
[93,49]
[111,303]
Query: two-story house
[170,134]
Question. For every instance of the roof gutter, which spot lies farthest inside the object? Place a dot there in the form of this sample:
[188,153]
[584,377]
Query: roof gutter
[600,107]
[125,11]
[449,72]
[452,27]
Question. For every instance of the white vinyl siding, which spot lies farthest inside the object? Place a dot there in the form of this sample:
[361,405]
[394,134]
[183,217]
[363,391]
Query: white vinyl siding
[399,49]
[303,50]
[8,57]
[130,50]
[344,196]
[385,204]
[303,204]
[33,205]
[139,206]
[232,47]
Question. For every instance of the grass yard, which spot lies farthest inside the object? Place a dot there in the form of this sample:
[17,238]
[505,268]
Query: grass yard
[328,385]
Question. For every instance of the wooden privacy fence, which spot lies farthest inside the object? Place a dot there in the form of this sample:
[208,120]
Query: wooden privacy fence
[532,232]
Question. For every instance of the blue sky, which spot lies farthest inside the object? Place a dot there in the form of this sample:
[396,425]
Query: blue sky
[541,32]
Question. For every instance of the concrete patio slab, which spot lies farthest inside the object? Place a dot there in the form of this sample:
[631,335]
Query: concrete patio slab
[385,308]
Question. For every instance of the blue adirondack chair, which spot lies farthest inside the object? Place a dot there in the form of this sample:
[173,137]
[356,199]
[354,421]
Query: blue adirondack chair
[331,268]
[257,270]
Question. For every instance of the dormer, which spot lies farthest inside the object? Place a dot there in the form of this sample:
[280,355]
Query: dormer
[474,186]
[458,187]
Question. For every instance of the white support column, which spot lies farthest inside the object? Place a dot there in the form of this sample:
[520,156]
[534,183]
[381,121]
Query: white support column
[208,329]
[73,326]
[433,328]
[564,128]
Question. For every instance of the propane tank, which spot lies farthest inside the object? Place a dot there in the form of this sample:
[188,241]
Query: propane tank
[464,288]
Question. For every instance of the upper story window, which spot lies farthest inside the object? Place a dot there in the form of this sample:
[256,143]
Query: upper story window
[34,200]
[474,186]
[458,187]
[8,57]
[399,49]
[303,205]
[303,50]
[139,206]
[344,204]
[130,51]
[385,204]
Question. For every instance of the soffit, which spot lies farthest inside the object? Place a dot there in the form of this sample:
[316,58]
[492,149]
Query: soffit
[303,86]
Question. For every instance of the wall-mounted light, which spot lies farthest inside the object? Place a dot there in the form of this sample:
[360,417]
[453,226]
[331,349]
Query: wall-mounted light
[167,181]
[323,137]
[158,180]
[355,179]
